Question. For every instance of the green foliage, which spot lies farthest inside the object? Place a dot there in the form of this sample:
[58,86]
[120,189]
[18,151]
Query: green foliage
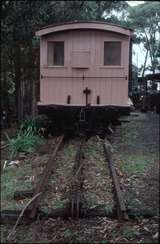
[69,151]
[92,201]
[134,165]
[104,242]
[128,232]
[91,151]
[109,209]
[145,19]
[133,202]
[67,233]
[29,126]
[13,179]
[23,143]
[27,139]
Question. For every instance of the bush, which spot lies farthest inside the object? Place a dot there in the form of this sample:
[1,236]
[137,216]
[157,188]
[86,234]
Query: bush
[30,126]
[27,139]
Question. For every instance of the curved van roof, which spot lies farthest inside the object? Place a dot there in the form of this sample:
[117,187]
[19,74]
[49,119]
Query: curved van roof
[76,25]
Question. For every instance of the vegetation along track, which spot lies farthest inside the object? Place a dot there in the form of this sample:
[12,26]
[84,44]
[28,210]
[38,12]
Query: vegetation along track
[66,185]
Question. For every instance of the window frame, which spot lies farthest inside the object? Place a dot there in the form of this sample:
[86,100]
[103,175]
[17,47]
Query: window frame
[53,64]
[112,65]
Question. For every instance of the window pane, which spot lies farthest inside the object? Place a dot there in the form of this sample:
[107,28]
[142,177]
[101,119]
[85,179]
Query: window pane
[55,53]
[50,53]
[112,53]
[58,58]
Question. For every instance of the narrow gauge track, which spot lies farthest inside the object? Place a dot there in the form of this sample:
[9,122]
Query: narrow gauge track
[76,200]
[76,205]
[41,185]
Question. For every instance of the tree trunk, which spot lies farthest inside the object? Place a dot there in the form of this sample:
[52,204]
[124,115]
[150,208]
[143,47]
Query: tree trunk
[18,84]
[145,61]
[34,100]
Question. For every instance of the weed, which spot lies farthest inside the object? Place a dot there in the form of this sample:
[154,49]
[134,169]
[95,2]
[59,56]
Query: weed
[91,152]
[69,151]
[92,201]
[30,126]
[67,233]
[132,202]
[104,242]
[60,203]
[27,139]
[135,165]
[12,179]
[128,232]
[109,209]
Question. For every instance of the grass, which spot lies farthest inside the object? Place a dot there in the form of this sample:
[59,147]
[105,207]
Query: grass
[60,180]
[128,232]
[69,151]
[104,242]
[67,233]
[12,179]
[92,201]
[135,164]
[97,184]
[48,203]
[24,236]
[91,151]
[26,140]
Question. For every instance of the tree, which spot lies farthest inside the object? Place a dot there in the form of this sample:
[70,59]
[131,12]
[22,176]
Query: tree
[18,56]
[145,19]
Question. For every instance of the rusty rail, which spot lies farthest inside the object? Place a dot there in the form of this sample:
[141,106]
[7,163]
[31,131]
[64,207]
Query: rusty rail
[19,195]
[41,185]
[77,182]
[75,207]
[121,208]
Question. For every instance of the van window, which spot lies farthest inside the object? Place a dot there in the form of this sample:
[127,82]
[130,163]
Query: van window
[112,53]
[56,53]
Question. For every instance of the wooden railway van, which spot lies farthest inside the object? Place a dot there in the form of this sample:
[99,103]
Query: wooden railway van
[84,64]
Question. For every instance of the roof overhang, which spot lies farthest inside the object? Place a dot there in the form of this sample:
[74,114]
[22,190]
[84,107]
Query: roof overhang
[84,25]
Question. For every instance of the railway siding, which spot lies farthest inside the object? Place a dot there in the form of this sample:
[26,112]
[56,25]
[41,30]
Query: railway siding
[58,189]
[139,187]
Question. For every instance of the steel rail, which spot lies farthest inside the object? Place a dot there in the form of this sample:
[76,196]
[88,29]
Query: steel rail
[77,182]
[121,208]
[41,185]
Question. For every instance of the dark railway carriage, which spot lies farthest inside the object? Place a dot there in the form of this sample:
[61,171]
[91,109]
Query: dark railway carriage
[84,72]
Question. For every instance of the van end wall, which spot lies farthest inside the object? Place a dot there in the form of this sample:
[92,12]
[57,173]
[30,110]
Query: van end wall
[110,83]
